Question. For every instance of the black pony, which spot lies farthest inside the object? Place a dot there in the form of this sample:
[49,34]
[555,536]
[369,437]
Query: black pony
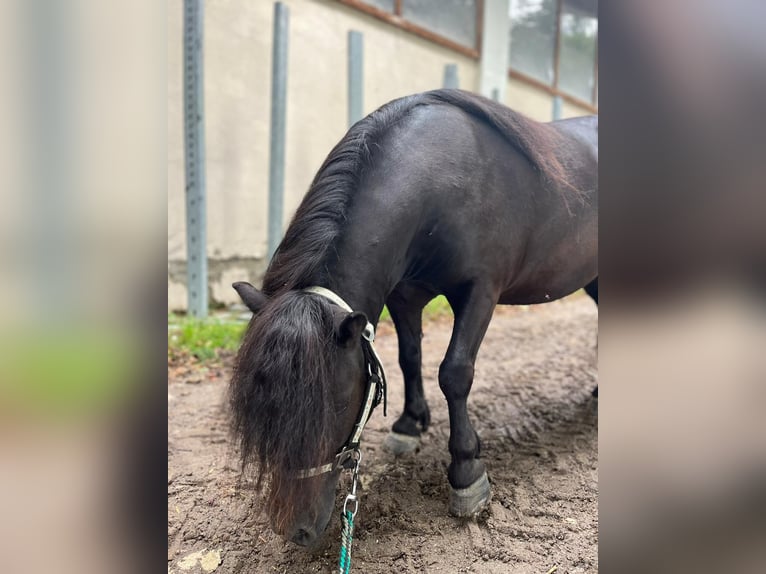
[443,192]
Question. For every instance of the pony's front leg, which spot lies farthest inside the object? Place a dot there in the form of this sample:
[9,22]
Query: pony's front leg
[407,314]
[470,491]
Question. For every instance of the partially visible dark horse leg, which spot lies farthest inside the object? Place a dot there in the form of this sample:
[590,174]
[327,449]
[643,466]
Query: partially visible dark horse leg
[592,290]
[406,308]
[467,475]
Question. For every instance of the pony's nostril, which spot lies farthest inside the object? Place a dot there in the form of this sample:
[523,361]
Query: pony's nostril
[302,537]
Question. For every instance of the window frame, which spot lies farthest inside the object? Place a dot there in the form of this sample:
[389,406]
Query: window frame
[395,18]
[553,88]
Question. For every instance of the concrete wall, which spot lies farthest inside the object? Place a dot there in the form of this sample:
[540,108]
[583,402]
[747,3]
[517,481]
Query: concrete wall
[237,100]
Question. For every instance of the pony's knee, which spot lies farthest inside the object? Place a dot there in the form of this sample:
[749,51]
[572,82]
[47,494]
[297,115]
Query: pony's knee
[455,378]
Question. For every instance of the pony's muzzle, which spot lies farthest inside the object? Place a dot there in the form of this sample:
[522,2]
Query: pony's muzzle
[304,536]
[307,528]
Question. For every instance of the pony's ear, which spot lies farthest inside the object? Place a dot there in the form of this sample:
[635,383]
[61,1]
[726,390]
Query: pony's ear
[350,328]
[251,297]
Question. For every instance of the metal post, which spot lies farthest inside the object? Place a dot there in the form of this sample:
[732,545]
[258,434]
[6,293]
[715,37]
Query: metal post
[355,76]
[557,103]
[278,122]
[49,237]
[450,76]
[194,127]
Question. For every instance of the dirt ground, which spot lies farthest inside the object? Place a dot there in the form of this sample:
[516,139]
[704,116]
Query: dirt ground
[532,407]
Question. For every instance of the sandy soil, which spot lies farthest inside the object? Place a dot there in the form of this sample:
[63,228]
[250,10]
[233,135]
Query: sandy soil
[532,407]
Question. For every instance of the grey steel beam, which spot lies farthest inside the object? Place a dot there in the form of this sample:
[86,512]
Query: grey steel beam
[557,105]
[194,135]
[278,125]
[450,76]
[355,76]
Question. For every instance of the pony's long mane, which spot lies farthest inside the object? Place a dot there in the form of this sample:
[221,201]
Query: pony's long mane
[280,396]
[302,254]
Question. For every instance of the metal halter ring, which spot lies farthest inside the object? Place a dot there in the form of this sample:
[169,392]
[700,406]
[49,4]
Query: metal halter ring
[355,500]
[351,496]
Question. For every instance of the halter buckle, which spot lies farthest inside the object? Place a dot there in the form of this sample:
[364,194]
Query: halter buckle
[346,455]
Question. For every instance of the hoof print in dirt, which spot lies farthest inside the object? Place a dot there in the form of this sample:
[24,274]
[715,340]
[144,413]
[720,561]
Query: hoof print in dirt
[399,444]
[470,501]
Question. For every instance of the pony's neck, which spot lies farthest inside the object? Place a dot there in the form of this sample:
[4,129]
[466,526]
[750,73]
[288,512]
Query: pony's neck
[363,289]
[363,272]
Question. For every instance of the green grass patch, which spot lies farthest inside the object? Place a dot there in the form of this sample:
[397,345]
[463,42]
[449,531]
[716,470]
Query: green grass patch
[204,338]
[438,307]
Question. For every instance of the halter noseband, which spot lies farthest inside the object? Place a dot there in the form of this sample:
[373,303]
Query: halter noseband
[348,455]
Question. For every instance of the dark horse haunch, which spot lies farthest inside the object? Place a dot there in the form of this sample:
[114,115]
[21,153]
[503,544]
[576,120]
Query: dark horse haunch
[443,192]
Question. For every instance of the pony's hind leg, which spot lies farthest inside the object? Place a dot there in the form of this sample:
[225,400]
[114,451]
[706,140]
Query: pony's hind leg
[467,475]
[406,308]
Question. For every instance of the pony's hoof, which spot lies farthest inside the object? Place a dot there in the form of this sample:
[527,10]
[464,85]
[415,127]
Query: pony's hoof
[398,443]
[469,501]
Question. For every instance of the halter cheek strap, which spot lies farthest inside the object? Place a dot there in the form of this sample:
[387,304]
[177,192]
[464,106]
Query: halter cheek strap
[375,393]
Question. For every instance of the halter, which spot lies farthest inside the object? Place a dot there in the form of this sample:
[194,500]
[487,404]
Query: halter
[348,456]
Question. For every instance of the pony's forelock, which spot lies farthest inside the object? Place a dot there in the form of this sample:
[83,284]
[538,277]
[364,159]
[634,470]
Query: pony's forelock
[280,397]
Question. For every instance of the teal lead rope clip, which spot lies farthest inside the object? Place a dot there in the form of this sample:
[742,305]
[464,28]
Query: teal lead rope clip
[347,520]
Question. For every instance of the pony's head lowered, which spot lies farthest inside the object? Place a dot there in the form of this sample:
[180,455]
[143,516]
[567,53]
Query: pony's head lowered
[297,389]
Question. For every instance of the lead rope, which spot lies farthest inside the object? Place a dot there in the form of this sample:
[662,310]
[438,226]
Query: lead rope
[347,520]
[344,562]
